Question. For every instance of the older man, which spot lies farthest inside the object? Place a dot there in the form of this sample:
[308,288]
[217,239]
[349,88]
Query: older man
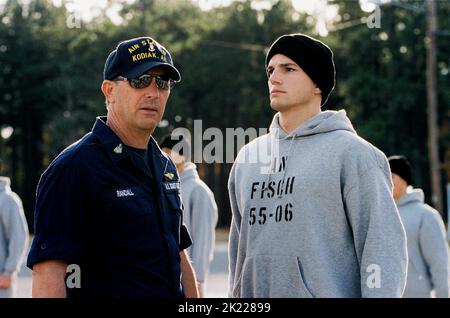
[108,207]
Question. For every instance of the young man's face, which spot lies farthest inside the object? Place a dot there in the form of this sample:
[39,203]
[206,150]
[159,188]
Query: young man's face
[139,108]
[289,86]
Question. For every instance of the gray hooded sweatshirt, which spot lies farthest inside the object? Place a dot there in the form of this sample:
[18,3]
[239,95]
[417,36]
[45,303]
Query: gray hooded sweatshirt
[313,215]
[200,216]
[428,250]
[13,234]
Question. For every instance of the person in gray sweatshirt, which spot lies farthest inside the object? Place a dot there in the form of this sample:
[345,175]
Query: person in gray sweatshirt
[200,208]
[428,251]
[312,207]
[13,237]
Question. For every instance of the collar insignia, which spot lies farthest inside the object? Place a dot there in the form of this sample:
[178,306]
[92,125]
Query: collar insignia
[169,175]
[118,149]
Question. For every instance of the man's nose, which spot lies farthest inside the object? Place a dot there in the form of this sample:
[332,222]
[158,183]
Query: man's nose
[152,90]
[274,78]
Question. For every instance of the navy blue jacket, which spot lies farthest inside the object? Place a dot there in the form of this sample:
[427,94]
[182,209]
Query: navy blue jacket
[104,207]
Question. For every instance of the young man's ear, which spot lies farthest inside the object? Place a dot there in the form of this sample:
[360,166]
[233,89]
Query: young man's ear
[108,90]
[317,90]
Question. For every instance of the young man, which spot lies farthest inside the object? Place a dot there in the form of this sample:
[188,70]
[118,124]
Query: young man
[428,253]
[319,220]
[13,237]
[109,205]
[200,209]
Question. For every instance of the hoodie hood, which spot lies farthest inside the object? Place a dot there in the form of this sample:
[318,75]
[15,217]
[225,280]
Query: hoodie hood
[5,184]
[323,122]
[412,196]
[189,172]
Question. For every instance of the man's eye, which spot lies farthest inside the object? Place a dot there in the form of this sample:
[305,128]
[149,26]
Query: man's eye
[164,77]
[290,69]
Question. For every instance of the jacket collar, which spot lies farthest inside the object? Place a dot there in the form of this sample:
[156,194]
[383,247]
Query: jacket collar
[114,146]
[117,150]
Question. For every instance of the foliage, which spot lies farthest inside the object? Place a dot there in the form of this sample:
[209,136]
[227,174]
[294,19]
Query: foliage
[50,76]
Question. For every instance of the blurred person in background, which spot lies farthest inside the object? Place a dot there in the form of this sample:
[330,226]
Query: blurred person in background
[200,208]
[13,237]
[428,251]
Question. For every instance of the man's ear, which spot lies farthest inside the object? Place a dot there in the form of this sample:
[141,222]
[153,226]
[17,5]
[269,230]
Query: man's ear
[317,90]
[108,88]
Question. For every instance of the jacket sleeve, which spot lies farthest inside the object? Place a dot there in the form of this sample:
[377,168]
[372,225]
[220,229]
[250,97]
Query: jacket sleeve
[16,230]
[433,245]
[233,241]
[379,236]
[204,209]
[60,214]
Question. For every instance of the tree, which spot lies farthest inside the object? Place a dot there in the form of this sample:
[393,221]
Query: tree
[381,80]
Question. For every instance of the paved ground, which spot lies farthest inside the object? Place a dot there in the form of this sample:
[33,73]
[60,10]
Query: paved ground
[24,289]
[216,286]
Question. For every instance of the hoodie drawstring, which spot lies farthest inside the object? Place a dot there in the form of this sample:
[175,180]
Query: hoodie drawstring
[287,161]
[272,156]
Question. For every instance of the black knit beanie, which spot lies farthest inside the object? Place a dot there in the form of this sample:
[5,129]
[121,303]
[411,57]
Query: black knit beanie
[314,57]
[401,167]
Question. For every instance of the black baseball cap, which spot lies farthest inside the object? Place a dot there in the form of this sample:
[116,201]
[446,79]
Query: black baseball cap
[134,57]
